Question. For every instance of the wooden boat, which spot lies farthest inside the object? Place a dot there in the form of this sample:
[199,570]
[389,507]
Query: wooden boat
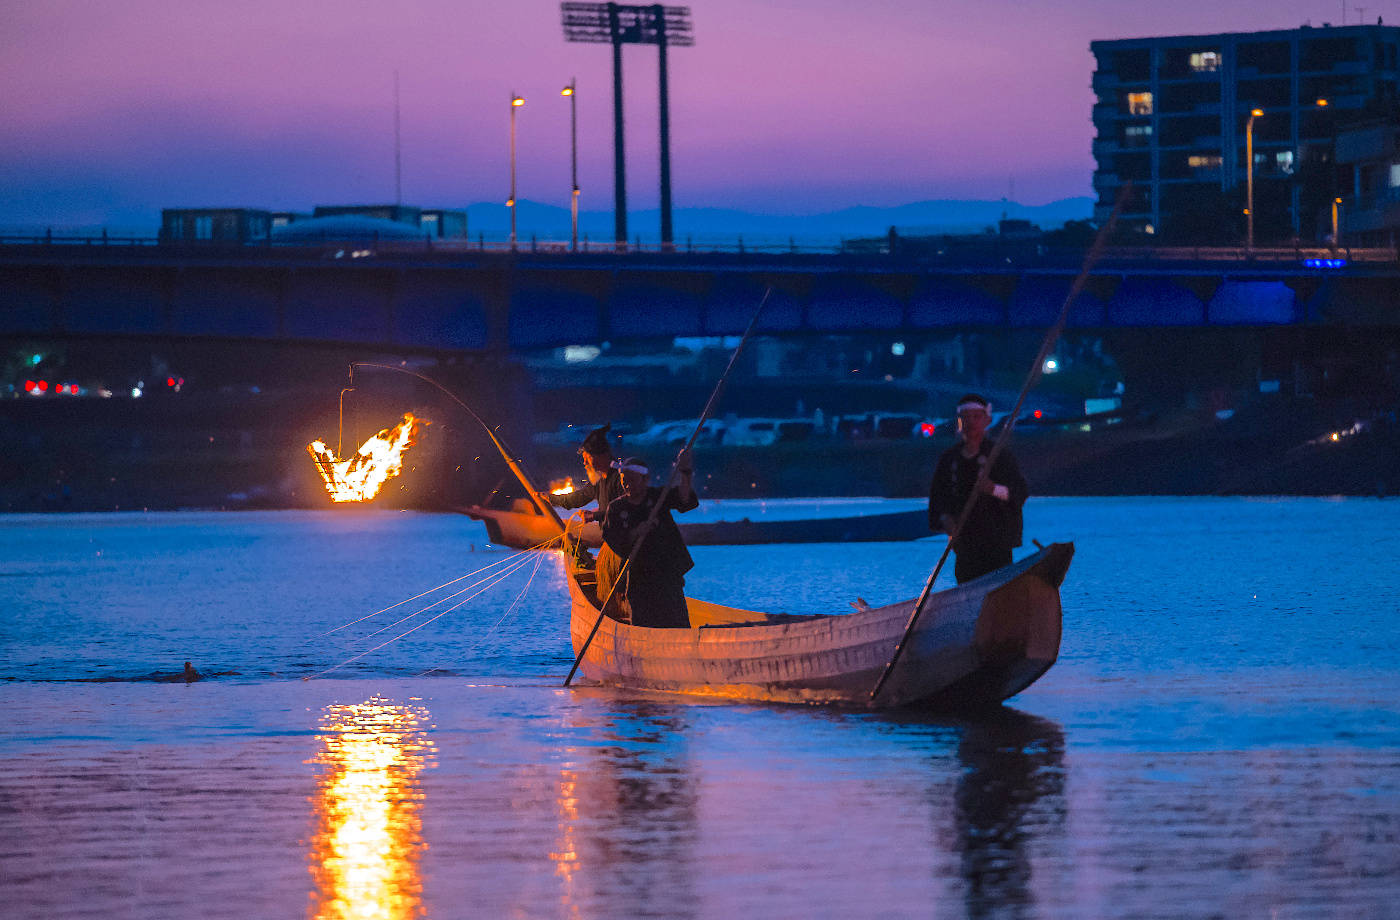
[522,527]
[976,644]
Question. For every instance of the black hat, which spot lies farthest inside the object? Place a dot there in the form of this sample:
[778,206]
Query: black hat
[597,442]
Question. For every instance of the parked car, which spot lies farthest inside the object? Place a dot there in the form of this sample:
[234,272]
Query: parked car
[676,433]
[887,425]
[761,432]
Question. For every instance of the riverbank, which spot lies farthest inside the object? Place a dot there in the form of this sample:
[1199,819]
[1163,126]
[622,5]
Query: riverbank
[250,452]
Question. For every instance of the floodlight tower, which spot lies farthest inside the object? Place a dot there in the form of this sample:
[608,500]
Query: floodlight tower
[620,25]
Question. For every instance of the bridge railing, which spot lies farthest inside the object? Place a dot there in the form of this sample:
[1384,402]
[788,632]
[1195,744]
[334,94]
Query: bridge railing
[1242,254]
[92,239]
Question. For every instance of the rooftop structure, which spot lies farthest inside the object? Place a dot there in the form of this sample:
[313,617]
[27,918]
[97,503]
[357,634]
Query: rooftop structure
[241,225]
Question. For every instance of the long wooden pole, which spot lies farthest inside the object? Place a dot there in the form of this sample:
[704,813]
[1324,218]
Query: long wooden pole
[670,482]
[1037,368]
[511,461]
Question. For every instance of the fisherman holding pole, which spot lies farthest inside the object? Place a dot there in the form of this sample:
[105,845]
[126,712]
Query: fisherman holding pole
[993,527]
[654,583]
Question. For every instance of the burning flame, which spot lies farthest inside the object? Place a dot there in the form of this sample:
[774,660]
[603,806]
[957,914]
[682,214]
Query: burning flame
[377,461]
[564,488]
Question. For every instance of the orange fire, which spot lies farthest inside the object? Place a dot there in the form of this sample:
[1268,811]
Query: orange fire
[377,461]
[564,487]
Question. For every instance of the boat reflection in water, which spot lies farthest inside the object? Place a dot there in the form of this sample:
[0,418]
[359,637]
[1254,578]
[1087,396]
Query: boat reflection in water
[626,805]
[969,810]
[369,829]
[1009,801]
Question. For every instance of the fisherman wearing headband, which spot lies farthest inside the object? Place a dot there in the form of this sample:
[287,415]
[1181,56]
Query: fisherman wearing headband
[654,583]
[603,485]
[993,526]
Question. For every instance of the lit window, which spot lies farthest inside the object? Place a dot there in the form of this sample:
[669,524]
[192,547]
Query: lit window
[1204,161]
[1137,135]
[1284,161]
[1204,61]
[204,228]
[1139,103]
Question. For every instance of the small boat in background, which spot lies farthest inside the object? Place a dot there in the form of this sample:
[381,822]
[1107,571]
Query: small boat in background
[522,526]
[974,645]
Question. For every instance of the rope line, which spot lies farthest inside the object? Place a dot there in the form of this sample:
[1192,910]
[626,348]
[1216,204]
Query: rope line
[509,610]
[521,559]
[502,561]
[497,580]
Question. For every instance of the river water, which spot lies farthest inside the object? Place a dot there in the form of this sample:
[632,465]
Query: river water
[1220,737]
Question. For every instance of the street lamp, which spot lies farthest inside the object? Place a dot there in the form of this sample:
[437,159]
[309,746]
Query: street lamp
[1249,177]
[1335,203]
[572,92]
[515,103]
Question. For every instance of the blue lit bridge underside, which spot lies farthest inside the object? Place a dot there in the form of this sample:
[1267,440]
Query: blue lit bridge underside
[519,302]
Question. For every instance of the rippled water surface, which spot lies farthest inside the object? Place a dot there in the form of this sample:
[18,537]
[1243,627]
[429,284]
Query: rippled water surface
[1220,737]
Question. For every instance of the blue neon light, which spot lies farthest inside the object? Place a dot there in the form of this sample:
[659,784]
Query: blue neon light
[1324,263]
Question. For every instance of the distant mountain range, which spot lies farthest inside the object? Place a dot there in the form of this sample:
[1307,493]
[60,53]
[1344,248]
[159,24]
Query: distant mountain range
[714,224]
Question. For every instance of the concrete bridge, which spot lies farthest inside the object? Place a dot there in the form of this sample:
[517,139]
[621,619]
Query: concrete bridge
[415,299]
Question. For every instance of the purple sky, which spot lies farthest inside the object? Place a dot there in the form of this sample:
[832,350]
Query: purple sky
[115,108]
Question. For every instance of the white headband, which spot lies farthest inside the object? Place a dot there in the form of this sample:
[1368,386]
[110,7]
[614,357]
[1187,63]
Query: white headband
[630,467]
[985,407]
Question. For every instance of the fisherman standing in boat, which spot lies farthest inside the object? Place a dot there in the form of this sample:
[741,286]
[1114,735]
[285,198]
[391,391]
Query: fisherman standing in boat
[993,527]
[603,485]
[655,579]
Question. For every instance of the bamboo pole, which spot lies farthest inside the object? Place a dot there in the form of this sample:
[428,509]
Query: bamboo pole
[670,482]
[513,462]
[1037,368]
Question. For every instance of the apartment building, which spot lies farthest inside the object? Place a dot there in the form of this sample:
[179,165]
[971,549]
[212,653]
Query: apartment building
[1173,117]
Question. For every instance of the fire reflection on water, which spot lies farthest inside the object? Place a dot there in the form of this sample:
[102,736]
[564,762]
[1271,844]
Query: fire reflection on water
[565,855]
[368,841]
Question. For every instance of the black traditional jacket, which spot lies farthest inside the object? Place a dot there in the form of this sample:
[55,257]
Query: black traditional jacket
[993,523]
[663,554]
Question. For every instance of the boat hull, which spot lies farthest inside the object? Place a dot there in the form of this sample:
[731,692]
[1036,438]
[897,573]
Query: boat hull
[976,644]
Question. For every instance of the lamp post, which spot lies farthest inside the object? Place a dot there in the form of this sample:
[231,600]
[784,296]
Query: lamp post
[572,92]
[515,103]
[1249,178]
[1335,240]
[1295,190]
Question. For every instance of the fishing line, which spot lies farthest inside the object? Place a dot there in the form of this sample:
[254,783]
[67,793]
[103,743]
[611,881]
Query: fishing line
[509,610]
[521,561]
[512,563]
[409,632]
[502,561]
